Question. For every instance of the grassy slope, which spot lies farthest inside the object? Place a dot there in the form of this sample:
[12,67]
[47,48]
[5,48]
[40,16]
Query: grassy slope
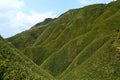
[109,25]
[28,37]
[69,44]
[62,58]
[105,26]
[55,64]
[55,28]
[15,66]
[102,65]
[48,43]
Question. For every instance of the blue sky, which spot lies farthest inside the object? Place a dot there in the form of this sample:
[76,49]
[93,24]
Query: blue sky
[19,15]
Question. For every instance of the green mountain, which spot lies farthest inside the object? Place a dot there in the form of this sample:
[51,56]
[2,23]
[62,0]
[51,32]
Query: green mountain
[46,21]
[81,44]
[16,66]
[27,38]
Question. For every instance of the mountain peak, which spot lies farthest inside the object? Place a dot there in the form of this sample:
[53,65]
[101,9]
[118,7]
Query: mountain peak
[46,21]
[81,44]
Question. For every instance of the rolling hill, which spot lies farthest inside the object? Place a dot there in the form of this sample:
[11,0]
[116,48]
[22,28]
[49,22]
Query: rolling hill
[81,44]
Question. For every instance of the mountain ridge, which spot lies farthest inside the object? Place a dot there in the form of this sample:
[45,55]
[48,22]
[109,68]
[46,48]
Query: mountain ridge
[16,66]
[80,44]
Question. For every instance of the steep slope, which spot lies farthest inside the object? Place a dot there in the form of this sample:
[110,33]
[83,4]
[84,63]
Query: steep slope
[81,44]
[105,21]
[15,66]
[76,24]
[104,64]
[28,37]
[52,31]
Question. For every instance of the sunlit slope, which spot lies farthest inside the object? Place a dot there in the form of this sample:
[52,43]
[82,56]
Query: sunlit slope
[80,48]
[15,66]
[28,37]
[104,64]
[81,44]
[54,37]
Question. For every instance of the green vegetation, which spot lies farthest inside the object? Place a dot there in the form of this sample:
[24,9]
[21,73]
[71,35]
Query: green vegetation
[26,38]
[15,66]
[46,21]
[81,44]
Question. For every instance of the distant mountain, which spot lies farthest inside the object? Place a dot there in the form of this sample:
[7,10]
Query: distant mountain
[81,44]
[28,37]
[46,21]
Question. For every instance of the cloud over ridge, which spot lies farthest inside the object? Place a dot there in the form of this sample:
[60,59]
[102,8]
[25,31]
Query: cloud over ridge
[14,20]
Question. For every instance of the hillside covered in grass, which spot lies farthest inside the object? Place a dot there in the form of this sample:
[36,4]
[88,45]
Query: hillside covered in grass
[15,66]
[81,44]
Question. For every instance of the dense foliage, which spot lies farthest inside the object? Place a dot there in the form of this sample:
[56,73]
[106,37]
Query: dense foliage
[15,66]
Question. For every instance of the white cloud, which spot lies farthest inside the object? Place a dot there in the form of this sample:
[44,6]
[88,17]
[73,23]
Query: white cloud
[11,4]
[87,2]
[22,20]
[13,20]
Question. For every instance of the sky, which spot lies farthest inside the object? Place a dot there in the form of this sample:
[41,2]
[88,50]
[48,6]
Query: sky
[19,15]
